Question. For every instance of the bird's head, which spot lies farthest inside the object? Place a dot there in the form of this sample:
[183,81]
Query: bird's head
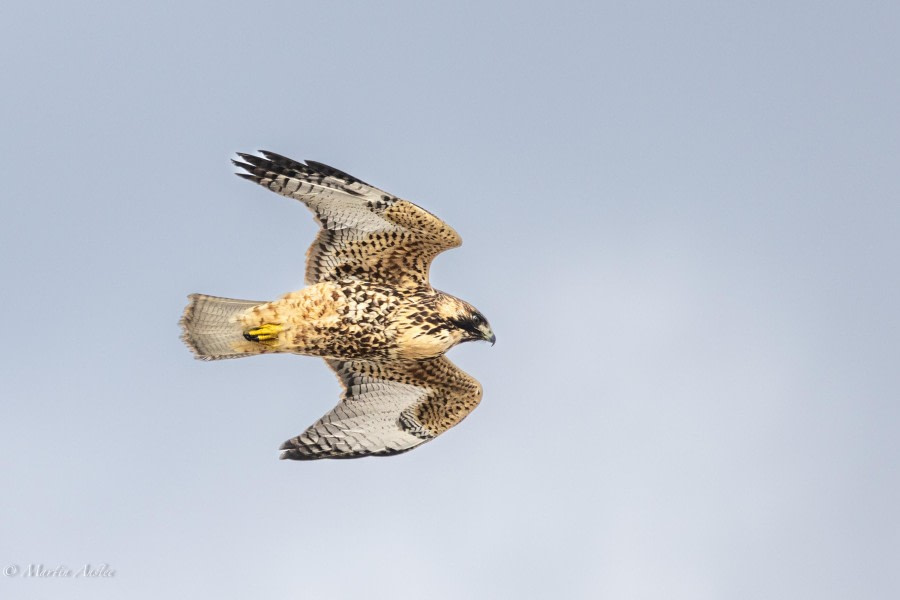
[465,321]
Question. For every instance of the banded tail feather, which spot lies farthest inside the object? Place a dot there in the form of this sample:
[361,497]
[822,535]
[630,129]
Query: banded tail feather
[211,329]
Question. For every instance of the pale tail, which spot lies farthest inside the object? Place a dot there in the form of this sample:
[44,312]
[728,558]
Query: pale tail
[211,329]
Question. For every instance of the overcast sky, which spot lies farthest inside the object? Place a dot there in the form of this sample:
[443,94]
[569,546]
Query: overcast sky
[681,219]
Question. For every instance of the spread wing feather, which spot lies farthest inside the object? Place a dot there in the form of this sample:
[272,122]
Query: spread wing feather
[387,408]
[366,233]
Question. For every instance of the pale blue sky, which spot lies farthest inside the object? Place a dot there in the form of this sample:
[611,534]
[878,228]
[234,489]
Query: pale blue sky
[682,220]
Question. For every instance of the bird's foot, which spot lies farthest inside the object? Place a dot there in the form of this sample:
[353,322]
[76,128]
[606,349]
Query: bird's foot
[267,334]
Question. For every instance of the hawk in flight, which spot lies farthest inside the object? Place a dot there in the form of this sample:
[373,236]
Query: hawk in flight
[368,310]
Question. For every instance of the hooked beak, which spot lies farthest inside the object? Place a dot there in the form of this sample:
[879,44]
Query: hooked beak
[491,337]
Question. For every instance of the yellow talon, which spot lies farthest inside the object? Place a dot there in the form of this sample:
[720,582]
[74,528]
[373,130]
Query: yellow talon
[264,333]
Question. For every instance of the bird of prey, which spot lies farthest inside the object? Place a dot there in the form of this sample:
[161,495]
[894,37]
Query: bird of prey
[368,310]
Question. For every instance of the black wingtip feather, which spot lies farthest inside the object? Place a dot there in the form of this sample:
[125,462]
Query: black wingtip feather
[298,456]
[327,170]
[283,161]
[242,165]
[257,161]
[247,157]
[274,156]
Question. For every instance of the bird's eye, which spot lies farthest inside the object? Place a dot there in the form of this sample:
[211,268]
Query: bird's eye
[476,319]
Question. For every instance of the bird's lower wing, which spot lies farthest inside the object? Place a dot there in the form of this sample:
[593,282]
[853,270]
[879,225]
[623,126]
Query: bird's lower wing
[387,408]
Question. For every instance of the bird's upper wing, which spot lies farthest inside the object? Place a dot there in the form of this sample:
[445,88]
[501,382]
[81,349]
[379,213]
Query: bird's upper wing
[366,233]
[387,408]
